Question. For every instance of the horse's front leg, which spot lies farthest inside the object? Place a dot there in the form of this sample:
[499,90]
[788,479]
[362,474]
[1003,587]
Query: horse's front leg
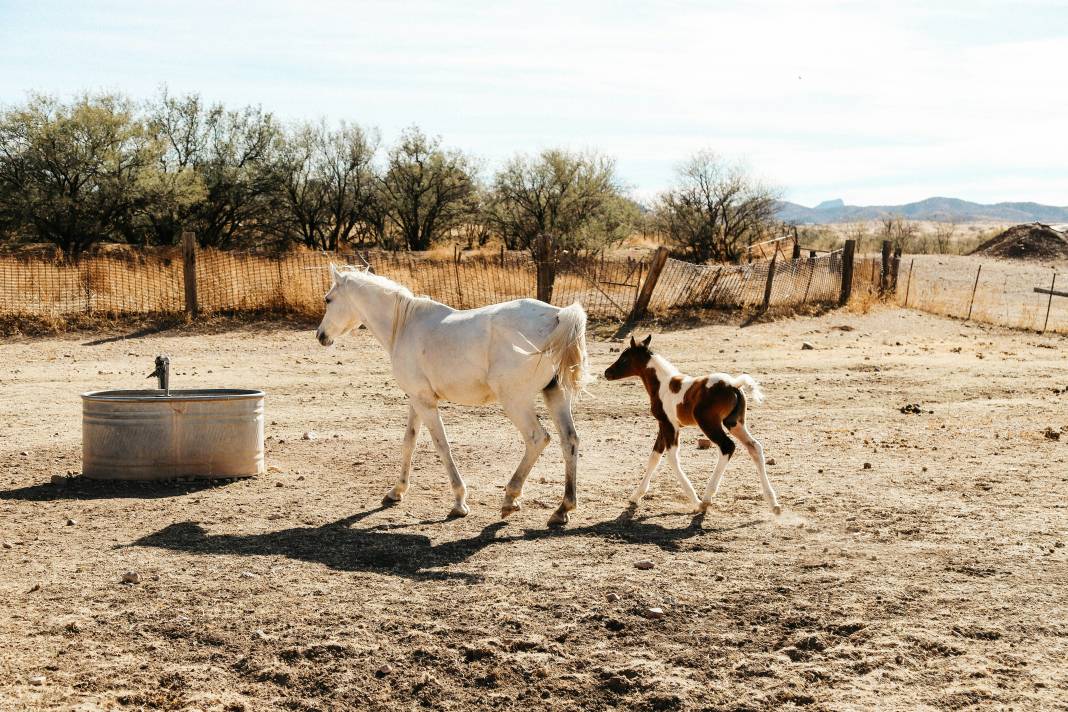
[430,416]
[559,405]
[411,433]
[654,460]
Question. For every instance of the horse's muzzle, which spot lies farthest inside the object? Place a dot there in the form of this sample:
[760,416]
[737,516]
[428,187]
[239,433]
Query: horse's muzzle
[323,339]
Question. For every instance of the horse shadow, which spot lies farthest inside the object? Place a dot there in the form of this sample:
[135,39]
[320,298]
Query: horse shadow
[384,549]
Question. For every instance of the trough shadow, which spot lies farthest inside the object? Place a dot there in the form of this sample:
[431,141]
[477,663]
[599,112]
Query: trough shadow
[138,334]
[82,488]
[385,550]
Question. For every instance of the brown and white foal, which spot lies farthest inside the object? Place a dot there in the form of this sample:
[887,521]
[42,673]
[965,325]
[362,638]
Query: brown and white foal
[714,403]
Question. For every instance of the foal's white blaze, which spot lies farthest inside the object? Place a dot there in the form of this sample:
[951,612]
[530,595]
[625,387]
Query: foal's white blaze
[505,353]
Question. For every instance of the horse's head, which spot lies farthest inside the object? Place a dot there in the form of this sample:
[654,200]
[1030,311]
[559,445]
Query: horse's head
[341,316]
[631,362]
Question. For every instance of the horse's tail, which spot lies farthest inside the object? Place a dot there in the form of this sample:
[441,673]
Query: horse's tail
[746,382]
[567,346]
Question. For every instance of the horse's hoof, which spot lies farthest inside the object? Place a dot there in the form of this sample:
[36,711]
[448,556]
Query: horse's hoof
[390,499]
[509,509]
[705,504]
[559,518]
[458,511]
[777,509]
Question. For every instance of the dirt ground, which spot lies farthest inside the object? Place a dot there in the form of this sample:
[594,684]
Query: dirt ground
[920,561]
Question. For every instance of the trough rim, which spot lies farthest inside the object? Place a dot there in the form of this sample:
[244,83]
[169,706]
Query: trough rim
[157,395]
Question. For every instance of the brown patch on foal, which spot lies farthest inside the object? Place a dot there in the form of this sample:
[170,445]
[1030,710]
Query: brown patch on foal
[675,384]
[668,436]
[707,404]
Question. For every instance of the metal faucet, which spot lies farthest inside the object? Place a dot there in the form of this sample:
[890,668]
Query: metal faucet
[163,373]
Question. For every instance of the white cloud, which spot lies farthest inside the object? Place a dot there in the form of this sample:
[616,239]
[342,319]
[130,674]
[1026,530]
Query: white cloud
[860,100]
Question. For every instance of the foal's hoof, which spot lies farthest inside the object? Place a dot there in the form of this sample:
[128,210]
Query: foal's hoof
[559,518]
[703,507]
[391,498]
[777,509]
[509,509]
[458,511]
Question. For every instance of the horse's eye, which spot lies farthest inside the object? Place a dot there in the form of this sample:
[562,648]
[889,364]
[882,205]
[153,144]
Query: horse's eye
[327,300]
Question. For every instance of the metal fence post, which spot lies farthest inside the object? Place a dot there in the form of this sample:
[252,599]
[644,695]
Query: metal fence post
[975,287]
[189,272]
[847,271]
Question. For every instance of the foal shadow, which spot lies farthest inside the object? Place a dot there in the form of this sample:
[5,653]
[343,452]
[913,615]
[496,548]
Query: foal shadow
[385,549]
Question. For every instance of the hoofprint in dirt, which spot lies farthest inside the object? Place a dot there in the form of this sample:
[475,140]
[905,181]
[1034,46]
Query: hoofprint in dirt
[920,559]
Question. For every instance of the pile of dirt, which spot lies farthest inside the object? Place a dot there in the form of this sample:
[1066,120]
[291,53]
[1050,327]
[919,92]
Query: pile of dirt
[1031,242]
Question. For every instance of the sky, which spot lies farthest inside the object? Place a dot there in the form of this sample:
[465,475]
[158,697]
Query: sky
[870,102]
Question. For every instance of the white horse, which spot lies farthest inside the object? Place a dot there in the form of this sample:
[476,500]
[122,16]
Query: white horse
[504,353]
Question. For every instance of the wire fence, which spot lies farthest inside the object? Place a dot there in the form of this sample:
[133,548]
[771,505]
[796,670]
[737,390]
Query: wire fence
[990,291]
[794,282]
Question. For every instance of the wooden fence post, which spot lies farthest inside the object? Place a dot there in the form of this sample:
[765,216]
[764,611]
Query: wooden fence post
[975,287]
[546,272]
[767,287]
[884,275]
[646,293]
[189,272]
[847,271]
[895,267]
[797,249]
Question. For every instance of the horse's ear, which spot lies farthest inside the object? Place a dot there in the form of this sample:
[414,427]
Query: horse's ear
[333,272]
[633,343]
[647,339]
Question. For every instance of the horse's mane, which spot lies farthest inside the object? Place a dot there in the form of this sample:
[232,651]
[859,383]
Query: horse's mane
[407,302]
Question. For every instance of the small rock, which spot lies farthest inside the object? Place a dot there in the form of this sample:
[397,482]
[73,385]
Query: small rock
[807,346]
[386,669]
[720,577]
[7,545]
[71,522]
[59,480]
[259,635]
[770,461]
[278,484]
[613,597]
[248,575]
[37,680]
[644,565]
[36,587]
[25,453]
[131,577]
[309,435]
[74,627]
[867,465]
[654,613]
[703,443]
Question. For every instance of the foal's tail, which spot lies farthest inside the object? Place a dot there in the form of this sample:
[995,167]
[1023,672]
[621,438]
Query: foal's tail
[567,348]
[746,382]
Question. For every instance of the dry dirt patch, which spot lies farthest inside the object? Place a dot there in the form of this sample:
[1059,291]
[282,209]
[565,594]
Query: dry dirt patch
[920,560]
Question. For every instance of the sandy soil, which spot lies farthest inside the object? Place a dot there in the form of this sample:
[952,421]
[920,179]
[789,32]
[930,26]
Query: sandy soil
[934,577]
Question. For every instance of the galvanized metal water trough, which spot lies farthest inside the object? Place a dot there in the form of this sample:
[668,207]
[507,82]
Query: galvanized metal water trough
[163,434]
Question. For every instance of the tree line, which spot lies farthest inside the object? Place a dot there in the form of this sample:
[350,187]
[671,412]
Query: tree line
[103,168]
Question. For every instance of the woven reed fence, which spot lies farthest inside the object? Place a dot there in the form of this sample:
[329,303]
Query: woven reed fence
[154,282]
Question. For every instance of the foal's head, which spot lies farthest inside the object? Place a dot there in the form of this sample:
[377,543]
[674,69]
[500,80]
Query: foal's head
[632,361]
[341,316]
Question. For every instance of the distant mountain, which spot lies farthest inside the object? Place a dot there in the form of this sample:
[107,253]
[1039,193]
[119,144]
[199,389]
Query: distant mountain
[938,209]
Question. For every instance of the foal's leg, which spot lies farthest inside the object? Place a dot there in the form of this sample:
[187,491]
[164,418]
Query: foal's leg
[559,404]
[654,460]
[713,428]
[407,448]
[430,416]
[525,419]
[756,451]
[684,482]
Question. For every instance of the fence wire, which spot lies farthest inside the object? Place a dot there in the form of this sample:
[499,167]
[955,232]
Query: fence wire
[802,281]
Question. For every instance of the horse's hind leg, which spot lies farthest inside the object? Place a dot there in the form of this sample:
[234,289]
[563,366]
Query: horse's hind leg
[525,419]
[756,451]
[430,416]
[407,448]
[559,404]
[714,430]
